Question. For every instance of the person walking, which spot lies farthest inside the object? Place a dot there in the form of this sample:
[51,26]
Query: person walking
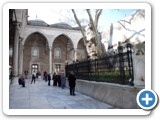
[63,80]
[33,77]
[26,74]
[72,83]
[58,79]
[49,79]
[45,76]
[39,76]
[54,78]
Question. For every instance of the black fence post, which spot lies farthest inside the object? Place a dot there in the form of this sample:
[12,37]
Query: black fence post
[97,74]
[75,68]
[96,68]
[130,63]
[88,61]
[121,65]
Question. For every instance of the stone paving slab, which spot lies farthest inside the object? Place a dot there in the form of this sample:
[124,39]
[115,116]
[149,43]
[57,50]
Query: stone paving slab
[42,96]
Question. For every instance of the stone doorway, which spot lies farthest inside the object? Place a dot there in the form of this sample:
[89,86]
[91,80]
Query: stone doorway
[57,68]
[34,68]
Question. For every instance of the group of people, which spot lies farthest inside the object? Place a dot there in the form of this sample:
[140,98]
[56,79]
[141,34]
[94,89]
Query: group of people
[58,80]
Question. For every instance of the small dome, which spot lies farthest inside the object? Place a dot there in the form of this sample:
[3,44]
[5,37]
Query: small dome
[37,22]
[61,25]
[77,28]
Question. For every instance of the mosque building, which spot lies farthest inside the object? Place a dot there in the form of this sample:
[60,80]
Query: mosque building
[36,46]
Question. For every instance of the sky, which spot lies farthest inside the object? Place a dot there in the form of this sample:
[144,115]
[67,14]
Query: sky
[51,16]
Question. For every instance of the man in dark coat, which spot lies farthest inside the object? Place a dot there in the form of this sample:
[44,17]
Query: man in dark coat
[45,76]
[21,81]
[54,78]
[49,79]
[72,83]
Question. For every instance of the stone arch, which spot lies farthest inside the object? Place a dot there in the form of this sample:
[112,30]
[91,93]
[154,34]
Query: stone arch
[39,41]
[36,31]
[64,48]
[81,52]
[73,36]
[66,35]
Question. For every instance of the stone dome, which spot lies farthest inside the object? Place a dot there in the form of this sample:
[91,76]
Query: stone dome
[61,25]
[37,22]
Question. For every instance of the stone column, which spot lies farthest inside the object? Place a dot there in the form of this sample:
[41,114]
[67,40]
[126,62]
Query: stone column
[15,53]
[50,59]
[21,59]
[75,54]
[139,66]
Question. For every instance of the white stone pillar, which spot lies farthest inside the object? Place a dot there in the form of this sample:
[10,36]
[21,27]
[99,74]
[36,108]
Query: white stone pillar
[16,51]
[75,54]
[21,59]
[50,59]
[139,68]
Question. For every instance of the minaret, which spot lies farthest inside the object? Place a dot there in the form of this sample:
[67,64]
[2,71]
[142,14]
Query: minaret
[110,35]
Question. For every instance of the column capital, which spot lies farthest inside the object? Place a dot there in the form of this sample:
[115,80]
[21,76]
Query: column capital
[21,47]
[50,48]
[18,26]
[75,49]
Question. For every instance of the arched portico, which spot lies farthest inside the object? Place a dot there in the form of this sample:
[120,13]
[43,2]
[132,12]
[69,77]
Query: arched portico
[52,33]
[81,51]
[35,53]
[45,38]
[30,31]
[63,52]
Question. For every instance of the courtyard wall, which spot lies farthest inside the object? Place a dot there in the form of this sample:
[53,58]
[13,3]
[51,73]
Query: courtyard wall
[121,96]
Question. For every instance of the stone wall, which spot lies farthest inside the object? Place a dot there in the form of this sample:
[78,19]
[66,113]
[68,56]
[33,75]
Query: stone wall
[120,96]
[139,64]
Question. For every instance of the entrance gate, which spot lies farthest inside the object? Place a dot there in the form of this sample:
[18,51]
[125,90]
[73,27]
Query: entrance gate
[34,68]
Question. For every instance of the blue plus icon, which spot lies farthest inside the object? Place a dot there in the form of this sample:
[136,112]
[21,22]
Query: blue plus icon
[147,99]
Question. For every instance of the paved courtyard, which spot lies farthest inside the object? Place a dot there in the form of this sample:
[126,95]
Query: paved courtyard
[42,96]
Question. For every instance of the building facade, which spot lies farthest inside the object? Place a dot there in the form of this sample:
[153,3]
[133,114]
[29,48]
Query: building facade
[37,46]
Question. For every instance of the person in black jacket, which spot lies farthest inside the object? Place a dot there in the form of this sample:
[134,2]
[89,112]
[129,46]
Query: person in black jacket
[21,81]
[54,78]
[49,79]
[72,83]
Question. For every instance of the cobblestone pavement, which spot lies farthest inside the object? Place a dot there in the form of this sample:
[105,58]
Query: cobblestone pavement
[42,96]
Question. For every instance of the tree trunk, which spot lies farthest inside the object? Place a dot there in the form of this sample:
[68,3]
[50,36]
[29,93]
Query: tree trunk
[92,38]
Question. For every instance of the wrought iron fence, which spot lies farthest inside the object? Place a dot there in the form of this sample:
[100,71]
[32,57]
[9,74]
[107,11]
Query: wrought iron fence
[115,67]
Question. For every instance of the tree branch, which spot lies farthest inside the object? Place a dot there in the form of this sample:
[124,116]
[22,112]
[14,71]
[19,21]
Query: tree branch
[91,20]
[98,13]
[131,30]
[94,25]
[129,22]
[75,16]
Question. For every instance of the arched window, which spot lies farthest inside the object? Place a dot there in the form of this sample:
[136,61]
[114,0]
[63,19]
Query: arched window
[57,53]
[35,52]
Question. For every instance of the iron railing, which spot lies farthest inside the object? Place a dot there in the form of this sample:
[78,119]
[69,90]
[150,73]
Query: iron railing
[115,67]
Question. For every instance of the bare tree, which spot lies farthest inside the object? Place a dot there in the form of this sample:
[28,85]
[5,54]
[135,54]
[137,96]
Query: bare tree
[91,37]
[76,18]
[140,13]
